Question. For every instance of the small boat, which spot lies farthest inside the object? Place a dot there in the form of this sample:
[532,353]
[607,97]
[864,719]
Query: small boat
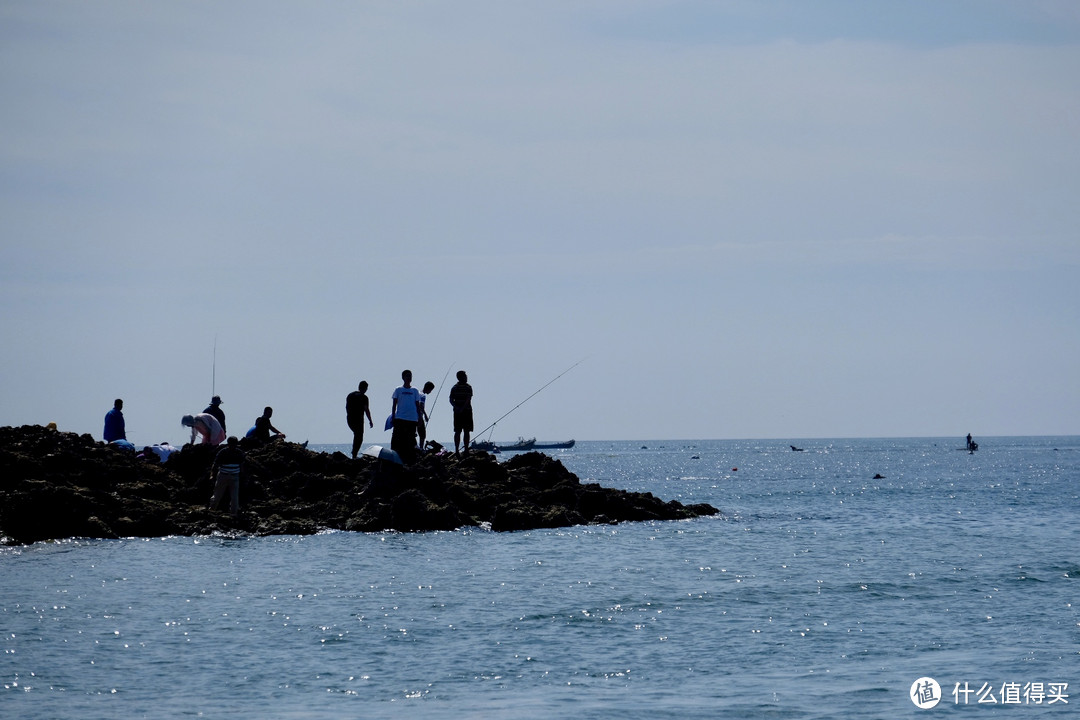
[553,445]
[520,446]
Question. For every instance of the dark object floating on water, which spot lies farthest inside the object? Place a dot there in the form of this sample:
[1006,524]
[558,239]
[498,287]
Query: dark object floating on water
[796,449]
[879,476]
[695,457]
[58,485]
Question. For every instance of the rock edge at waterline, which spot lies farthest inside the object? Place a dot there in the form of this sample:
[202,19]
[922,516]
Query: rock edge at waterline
[59,485]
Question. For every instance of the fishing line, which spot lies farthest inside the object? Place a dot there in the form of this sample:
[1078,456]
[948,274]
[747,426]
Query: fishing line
[492,425]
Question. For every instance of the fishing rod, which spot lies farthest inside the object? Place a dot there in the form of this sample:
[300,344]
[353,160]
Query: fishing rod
[492,425]
[213,377]
[439,390]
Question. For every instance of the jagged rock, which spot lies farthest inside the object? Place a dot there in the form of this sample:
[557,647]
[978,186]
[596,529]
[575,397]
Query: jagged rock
[57,485]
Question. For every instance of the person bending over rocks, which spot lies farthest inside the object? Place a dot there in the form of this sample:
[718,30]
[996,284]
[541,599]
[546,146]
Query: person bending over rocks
[207,426]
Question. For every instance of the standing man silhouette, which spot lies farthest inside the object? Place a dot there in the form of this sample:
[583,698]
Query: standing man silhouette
[421,425]
[406,413]
[214,408]
[356,407]
[461,399]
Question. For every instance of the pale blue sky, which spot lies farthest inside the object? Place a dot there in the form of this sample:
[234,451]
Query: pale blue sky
[753,219]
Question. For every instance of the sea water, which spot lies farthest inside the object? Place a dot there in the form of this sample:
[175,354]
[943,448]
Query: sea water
[837,578]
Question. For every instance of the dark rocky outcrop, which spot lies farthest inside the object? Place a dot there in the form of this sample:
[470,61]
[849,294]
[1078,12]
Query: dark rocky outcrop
[59,485]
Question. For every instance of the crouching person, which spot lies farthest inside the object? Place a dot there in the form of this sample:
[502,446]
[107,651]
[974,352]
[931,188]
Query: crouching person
[226,468]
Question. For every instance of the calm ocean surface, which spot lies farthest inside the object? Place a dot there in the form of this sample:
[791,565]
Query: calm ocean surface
[822,593]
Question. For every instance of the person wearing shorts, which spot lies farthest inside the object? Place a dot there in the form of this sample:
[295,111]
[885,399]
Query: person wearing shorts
[461,400]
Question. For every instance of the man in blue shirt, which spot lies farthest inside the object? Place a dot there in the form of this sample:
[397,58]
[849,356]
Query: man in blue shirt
[114,423]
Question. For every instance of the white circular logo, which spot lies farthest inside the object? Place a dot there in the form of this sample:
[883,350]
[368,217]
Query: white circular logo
[925,693]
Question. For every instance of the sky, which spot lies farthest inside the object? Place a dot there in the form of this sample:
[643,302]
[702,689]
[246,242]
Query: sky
[731,219]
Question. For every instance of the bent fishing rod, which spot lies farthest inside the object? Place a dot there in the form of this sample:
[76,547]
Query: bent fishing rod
[492,425]
[437,391]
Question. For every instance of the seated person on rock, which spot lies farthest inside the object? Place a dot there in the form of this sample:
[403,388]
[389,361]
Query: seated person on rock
[263,429]
[114,423]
